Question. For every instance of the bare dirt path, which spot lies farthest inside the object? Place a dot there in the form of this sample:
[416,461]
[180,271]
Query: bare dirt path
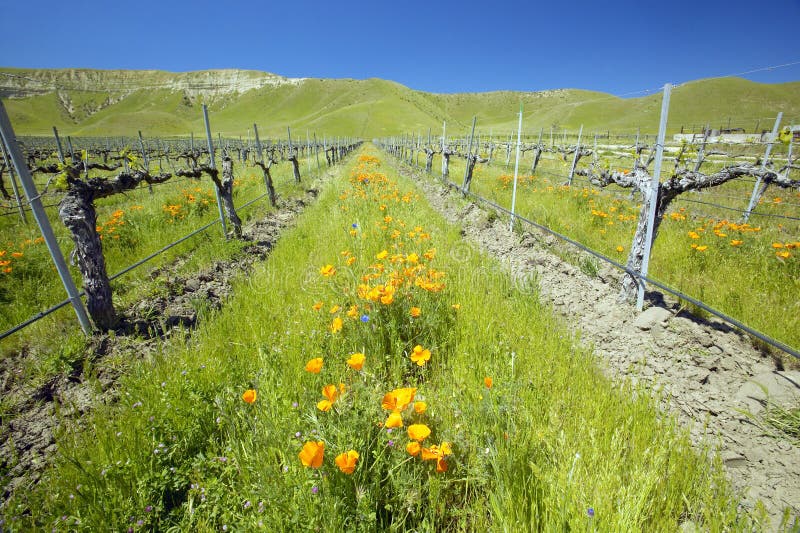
[705,370]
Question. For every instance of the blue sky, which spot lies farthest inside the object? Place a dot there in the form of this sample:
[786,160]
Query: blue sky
[440,46]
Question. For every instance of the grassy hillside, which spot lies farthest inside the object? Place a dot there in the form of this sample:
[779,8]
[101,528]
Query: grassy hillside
[121,102]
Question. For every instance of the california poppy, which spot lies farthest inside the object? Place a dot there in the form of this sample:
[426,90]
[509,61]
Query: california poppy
[249,396]
[394,420]
[331,393]
[314,366]
[347,461]
[356,361]
[398,399]
[420,355]
[312,453]
[413,448]
[418,432]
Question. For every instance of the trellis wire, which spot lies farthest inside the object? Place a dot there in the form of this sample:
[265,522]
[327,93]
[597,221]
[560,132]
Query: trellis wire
[38,316]
[42,314]
[761,336]
[642,278]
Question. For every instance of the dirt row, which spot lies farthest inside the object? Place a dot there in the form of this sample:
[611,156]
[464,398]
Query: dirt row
[28,430]
[709,374]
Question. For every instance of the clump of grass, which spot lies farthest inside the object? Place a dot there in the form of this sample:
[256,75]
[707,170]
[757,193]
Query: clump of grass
[786,421]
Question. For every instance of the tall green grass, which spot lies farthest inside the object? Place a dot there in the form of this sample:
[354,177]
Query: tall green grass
[551,445]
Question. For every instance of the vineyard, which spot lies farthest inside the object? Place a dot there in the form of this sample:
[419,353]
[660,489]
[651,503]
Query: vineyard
[298,333]
[731,241]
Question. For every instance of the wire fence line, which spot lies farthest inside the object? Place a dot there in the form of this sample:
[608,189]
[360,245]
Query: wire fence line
[42,314]
[627,198]
[401,152]
[342,146]
[637,275]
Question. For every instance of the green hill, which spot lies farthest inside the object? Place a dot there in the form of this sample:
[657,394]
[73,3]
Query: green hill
[97,103]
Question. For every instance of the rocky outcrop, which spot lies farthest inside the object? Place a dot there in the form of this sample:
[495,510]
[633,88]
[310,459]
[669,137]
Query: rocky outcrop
[22,83]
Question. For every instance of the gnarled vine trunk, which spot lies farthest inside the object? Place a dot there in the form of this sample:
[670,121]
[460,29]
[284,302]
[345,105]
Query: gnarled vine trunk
[471,160]
[295,166]
[225,188]
[78,214]
[3,190]
[265,168]
[429,160]
[537,154]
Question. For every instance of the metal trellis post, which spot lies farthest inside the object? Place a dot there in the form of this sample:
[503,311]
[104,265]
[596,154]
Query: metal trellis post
[10,139]
[654,189]
[214,165]
[516,170]
[575,157]
[752,204]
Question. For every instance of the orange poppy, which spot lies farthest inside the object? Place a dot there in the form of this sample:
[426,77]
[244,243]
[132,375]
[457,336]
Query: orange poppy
[394,420]
[331,393]
[418,432]
[356,361]
[347,461]
[398,399]
[420,355]
[314,366]
[249,396]
[413,448]
[312,453]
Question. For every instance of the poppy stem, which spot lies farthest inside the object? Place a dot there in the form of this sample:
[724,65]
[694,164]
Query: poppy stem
[389,473]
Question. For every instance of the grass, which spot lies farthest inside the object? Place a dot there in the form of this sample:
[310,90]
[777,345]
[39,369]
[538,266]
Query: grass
[550,438]
[748,281]
[377,108]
